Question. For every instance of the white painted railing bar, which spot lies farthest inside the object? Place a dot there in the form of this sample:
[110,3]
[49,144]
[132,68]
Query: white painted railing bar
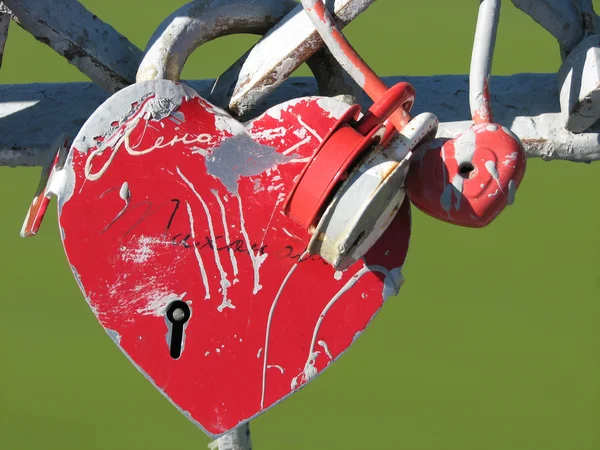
[278,54]
[560,18]
[33,115]
[93,46]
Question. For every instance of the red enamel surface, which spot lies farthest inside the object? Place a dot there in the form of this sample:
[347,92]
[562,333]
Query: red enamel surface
[499,164]
[245,347]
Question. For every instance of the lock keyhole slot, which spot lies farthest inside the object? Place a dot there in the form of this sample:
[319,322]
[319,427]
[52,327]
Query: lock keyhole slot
[466,170]
[178,313]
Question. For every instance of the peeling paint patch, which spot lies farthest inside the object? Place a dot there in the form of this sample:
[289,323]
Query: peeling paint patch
[241,156]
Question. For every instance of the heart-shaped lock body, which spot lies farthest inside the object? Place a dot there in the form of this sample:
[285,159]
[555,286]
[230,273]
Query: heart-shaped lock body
[171,218]
[469,180]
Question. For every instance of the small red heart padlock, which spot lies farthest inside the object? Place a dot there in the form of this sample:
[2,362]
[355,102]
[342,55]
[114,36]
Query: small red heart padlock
[469,180]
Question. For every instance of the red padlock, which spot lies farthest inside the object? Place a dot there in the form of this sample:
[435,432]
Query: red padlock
[360,197]
[341,148]
[469,180]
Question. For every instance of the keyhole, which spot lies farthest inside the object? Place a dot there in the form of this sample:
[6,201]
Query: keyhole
[178,313]
[465,170]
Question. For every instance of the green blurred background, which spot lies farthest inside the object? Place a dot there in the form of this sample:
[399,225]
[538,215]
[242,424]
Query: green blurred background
[492,344]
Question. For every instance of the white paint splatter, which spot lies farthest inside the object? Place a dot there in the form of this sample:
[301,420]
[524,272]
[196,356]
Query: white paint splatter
[227,238]
[325,348]
[197,253]
[309,129]
[458,183]
[158,302]
[275,366]
[256,259]
[493,171]
[269,134]
[338,275]
[225,284]
[268,327]
[512,191]
[510,159]
[297,145]
[144,250]
[301,132]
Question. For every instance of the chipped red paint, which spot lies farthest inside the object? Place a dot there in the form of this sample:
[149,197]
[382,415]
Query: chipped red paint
[145,223]
[470,179]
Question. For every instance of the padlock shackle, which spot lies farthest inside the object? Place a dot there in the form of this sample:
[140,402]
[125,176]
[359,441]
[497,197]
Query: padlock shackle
[199,22]
[350,60]
[481,61]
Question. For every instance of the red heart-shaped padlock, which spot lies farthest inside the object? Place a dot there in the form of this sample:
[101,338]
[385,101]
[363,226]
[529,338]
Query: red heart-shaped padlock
[469,180]
[171,214]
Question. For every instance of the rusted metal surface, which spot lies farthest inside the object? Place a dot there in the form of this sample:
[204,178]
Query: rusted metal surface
[93,46]
[278,54]
[4,24]
[33,115]
[170,212]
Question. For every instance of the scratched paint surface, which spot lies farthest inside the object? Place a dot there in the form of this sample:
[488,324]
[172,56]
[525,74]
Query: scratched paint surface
[166,198]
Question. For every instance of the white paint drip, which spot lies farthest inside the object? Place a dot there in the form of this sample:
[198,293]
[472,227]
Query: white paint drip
[310,370]
[297,145]
[225,284]
[512,191]
[227,238]
[326,349]
[458,183]
[268,327]
[493,171]
[197,253]
[275,366]
[309,129]
[259,352]
[256,259]
[446,197]
[125,195]
[289,234]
